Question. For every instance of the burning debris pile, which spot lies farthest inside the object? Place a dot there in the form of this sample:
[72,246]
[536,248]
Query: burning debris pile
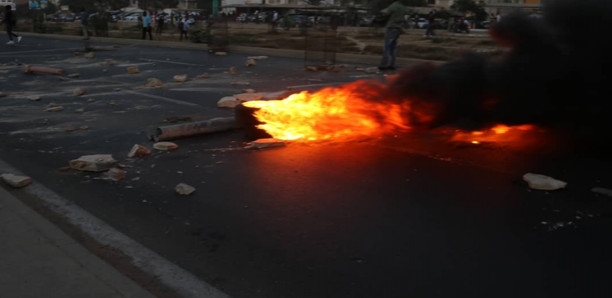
[554,75]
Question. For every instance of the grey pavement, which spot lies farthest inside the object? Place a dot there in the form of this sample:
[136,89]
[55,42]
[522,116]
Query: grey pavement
[39,260]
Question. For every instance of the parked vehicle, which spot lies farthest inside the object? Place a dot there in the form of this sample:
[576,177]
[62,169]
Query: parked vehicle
[241,18]
[61,17]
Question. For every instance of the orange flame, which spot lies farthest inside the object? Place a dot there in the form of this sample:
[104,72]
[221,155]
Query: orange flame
[499,133]
[340,113]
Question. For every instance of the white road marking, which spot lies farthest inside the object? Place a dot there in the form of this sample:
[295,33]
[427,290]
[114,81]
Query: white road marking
[170,62]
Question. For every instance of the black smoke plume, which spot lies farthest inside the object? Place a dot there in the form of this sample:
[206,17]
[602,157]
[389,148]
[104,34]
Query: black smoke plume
[557,72]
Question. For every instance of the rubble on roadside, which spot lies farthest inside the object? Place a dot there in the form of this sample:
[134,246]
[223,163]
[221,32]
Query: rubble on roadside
[54,108]
[184,189]
[93,163]
[33,98]
[258,57]
[79,91]
[89,55]
[114,174]
[29,69]
[240,83]
[220,53]
[180,78]
[228,102]
[250,62]
[138,151]
[165,146]
[15,181]
[133,70]
[266,143]
[73,75]
[154,83]
[233,70]
[542,182]
[203,76]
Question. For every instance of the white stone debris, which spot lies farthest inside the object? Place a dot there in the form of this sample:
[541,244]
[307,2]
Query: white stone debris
[15,181]
[180,78]
[79,91]
[250,62]
[267,143]
[73,75]
[55,109]
[34,98]
[542,182]
[184,189]
[165,146]
[138,151]
[114,174]
[154,83]
[93,163]
[89,55]
[228,102]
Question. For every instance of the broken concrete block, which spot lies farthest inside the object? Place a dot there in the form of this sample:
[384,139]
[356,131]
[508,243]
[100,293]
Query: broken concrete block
[133,70]
[154,83]
[180,78]
[15,181]
[250,62]
[54,109]
[34,98]
[184,189]
[79,91]
[93,163]
[241,83]
[203,76]
[248,96]
[228,102]
[138,151]
[165,146]
[542,182]
[602,191]
[220,53]
[114,174]
[267,143]
[258,57]
[73,75]
[89,55]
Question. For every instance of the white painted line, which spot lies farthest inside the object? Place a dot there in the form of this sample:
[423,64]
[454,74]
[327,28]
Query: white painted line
[171,275]
[176,101]
[171,62]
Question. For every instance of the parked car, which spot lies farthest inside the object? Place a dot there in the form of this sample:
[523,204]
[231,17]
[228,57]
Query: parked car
[241,17]
[61,17]
[486,24]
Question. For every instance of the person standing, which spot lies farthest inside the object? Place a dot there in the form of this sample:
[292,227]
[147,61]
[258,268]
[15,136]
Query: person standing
[146,25]
[184,28]
[396,12]
[10,20]
[84,23]
[160,24]
[430,24]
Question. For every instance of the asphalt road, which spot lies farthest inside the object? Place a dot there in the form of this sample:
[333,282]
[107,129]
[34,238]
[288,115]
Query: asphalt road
[404,216]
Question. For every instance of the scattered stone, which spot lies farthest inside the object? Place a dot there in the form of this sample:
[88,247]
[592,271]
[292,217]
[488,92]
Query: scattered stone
[78,54]
[112,103]
[241,83]
[312,68]
[70,128]
[220,53]
[114,174]
[184,189]
[258,57]
[250,62]
[55,109]
[154,83]
[180,78]
[83,127]
[233,70]
[109,62]
[89,55]
[138,151]
[228,102]
[93,163]
[90,100]
[203,76]
[602,191]
[52,104]
[79,91]
[73,75]
[542,182]
[371,70]
[15,181]
[80,110]
[267,143]
[248,90]
[133,70]
[248,96]
[165,146]
[34,98]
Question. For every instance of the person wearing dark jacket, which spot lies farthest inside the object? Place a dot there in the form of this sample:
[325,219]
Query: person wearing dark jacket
[84,23]
[10,21]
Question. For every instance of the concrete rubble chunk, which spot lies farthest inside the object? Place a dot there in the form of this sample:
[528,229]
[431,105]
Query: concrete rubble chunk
[267,143]
[184,189]
[15,181]
[248,96]
[54,109]
[250,62]
[180,78]
[73,75]
[312,68]
[228,102]
[114,174]
[542,182]
[602,191]
[258,57]
[93,163]
[203,76]
[133,70]
[89,55]
[34,98]
[79,91]
[165,146]
[138,151]
[154,83]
